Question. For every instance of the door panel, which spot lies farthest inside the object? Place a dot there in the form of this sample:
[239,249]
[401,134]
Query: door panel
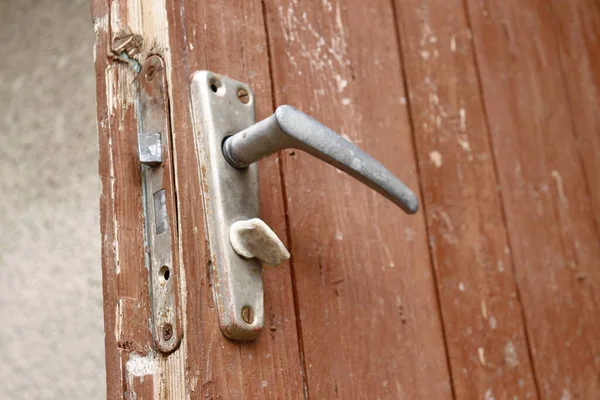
[483,318]
[554,240]
[367,306]
[229,37]
[489,291]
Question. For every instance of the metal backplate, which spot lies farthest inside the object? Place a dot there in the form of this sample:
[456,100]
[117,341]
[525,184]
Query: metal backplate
[159,204]
[222,107]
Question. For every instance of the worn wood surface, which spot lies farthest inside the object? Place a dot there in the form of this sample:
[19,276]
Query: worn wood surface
[483,319]
[127,305]
[230,38]
[576,26]
[553,238]
[490,109]
[366,299]
[206,365]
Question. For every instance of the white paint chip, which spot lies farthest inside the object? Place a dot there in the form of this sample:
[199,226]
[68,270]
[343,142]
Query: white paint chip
[341,83]
[500,266]
[141,366]
[559,186]
[463,142]
[481,355]
[462,113]
[510,355]
[436,158]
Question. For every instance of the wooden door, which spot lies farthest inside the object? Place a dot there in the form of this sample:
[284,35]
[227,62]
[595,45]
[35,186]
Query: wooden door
[489,109]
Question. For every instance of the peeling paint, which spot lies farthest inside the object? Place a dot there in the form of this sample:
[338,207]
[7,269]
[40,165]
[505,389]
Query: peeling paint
[559,186]
[138,366]
[118,319]
[445,226]
[510,355]
[322,53]
[481,355]
[463,142]
[436,158]
[500,266]
[391,263]
[488,395]
[462,113]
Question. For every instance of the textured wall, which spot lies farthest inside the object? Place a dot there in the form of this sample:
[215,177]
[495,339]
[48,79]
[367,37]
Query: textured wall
[51,332]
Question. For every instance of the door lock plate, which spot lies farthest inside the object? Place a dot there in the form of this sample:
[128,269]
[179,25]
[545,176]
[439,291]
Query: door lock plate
[222,107]
[154,147]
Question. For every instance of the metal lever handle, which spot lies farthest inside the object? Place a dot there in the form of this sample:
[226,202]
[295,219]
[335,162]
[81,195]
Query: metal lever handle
[291,128]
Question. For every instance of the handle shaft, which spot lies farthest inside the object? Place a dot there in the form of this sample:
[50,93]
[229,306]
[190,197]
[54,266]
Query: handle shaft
[291,128]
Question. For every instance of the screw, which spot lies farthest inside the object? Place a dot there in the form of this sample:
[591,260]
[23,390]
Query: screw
[167,332]
[247,315]
[151,72]
[243,95]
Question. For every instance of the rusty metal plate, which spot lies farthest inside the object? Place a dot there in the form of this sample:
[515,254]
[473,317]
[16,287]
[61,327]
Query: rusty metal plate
[222,107]
[154,145]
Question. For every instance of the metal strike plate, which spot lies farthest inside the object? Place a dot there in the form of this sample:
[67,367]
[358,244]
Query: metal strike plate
[222,107]
[154,147]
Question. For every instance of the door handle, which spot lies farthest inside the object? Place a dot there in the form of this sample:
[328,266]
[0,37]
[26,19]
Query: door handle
[291,128]
[229,142]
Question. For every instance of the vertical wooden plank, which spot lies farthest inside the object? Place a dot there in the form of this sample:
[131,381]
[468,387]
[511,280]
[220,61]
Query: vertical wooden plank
[206,365]
[125,279]
[577,28]
[549,216]
[482,314]
[229,38]
[367,306]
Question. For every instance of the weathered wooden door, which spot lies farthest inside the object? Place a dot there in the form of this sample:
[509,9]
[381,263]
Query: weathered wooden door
[488,109]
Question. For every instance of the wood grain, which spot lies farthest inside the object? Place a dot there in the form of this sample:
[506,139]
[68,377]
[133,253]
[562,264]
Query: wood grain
[125,279]
[577,30]
[230,39]
[366,298]
[553,238]
[482,314]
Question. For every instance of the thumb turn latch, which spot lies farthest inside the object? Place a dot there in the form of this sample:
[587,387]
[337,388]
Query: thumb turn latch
[229,143]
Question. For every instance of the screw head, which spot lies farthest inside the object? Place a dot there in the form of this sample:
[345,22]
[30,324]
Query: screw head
[167,332]
[243,95]
[247,315]
[151,72]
